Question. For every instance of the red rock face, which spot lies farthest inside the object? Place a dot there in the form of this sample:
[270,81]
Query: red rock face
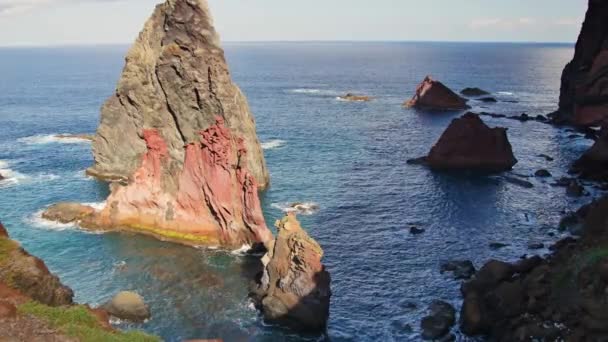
[584,91]
[469,144]
[215,201]
[432,94]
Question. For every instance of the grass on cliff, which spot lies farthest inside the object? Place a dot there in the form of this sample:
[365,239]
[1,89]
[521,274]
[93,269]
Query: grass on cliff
[6,247]
[78,322]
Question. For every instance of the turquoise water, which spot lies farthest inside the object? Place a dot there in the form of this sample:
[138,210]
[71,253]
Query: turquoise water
[349,158]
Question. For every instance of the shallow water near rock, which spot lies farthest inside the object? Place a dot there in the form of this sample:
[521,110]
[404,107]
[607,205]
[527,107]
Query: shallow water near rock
[349,158]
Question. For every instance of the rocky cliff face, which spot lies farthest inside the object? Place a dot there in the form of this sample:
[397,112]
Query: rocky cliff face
[177,138]
[584,90]
[294,289]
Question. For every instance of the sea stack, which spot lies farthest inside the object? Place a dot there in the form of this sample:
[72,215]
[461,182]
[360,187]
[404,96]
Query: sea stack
[469,144]
[294,289]
[177,140]
[584,95]
[434,95]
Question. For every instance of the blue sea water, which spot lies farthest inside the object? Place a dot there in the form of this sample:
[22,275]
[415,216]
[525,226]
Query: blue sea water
[349,158]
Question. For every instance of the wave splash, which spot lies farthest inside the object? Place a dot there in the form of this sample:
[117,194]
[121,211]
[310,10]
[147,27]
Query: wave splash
[272,144]
[300,208]
[44,139]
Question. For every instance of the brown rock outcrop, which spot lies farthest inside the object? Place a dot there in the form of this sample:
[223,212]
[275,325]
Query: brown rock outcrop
[294,289]
[593,164]
[28,274]
[355,98]
[469,144]
[431,94]
[584,89]
[177,138]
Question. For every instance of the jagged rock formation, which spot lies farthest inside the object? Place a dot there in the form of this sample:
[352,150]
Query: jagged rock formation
[593,164]
[294,288]
[29,275]
[178,140]
[469,144]
[584,89]
[431,94]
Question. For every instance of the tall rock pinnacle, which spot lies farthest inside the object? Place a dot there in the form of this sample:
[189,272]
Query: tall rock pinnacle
[177,138]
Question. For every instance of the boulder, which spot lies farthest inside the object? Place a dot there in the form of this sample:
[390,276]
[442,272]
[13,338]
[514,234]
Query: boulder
[2,177]
[129,306]
[177,138]
[461,269]
[471,145]
[584,95]
[294,288]
[441,318]
[474,92]
[542,173]
[434,95]
[70,213]
[593,164]
[355,98]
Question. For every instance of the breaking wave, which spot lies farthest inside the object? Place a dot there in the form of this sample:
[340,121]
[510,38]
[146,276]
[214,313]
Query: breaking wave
[271,144]
[44,139]
[315,92]
[38,221]
[300,208]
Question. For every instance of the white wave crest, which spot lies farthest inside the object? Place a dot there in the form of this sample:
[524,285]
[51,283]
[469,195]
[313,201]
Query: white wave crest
[505,93]
[242,251]
[44,139]
[300,208]
[99,206]
[11,177]
[38,221]
[271,144]
[314,92]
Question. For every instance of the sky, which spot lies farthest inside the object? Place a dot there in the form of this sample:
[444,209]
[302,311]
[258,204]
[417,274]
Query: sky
[77,22]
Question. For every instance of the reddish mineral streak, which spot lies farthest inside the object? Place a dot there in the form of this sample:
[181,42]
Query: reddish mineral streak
[216,197]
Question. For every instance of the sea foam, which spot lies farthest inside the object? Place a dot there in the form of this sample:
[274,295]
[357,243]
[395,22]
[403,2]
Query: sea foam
[44,139]
[272,144]
[300,208]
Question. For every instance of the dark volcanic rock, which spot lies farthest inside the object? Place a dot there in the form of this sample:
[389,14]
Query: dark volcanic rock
[471,145]
[488,99]
[575,189]
[473,92]
[542,173]
[416,231]
[593,164]
[584,95]
[432,94]
[497,245]
[461,269]
[294,289]
[441,318]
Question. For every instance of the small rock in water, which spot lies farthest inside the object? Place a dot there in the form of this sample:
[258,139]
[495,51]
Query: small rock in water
[498,245]
[563,182]
[488,99]
[575,189]
[416,230]
[536,245]
[441,318]
[355,98]
[304,208]
[474,92]
[518,182]
[461,269]
[541,118]
[542,173]
[1,177]
[128,305]
[417,161]
[547,158]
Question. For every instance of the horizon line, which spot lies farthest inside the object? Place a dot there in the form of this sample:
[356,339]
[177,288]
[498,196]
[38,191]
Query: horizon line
[59,45]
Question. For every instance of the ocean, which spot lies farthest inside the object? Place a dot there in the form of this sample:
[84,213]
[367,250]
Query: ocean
[348,158]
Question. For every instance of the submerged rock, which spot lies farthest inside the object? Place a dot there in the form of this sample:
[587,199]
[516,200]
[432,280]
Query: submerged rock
[431,94]
[469,144]
[178,140]
[575,189]
[584,96]
[355,98]
[542,173]
[461,269]
[29,275]
[473,92]
[294,289]
[441,318]
[128,305]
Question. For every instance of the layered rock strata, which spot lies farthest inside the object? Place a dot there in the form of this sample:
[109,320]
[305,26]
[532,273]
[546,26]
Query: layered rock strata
[434,95]
[177,139]
[294,288]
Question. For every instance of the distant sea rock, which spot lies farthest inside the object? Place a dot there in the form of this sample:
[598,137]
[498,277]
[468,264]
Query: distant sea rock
[294,289]
[468,143]
[474,92]
[177,139]
[355,98]
[434,95]
[584,95]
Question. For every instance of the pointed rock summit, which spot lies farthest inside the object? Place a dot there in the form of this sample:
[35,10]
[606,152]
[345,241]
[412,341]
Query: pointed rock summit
[177,139]
[469,144]
[434,95]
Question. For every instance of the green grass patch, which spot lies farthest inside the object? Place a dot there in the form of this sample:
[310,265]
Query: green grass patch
[7,246]
[78,322]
